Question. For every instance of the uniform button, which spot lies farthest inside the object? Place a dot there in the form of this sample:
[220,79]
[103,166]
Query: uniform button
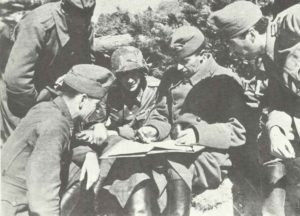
[14,203]
[72,53]
[198,119]
[130,113]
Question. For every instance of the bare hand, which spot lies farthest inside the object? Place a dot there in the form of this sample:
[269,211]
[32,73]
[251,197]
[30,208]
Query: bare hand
[280,145]
[277,23]
[59,81]
[147,134]
[96,135]
[90,169]
[186,137]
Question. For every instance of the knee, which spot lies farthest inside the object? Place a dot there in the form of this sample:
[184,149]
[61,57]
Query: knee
[206,171]
[274,173]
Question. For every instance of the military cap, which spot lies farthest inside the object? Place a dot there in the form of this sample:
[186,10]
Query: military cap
[186,40]
[90,79]
[127,58]
[86,5]
[235,19]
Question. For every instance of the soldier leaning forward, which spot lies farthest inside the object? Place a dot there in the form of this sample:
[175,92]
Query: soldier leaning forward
[49,41]
[251,35]
[36,158]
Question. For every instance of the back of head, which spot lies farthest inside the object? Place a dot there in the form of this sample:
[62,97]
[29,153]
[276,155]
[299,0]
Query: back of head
[235,19]
[127,58]
[186,40]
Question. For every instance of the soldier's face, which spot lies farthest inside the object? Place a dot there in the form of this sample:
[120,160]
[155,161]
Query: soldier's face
[190,65]
[131,80]
[249,47]
[88,107]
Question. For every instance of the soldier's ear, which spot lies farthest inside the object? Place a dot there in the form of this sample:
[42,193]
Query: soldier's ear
[83,97]
[252,33]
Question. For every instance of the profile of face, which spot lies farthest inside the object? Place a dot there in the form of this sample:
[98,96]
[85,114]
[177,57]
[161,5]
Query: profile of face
[87,107]
[249,46]
[131,80]
[190,65]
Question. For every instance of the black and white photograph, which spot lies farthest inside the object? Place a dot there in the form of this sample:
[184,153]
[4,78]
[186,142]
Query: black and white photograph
[150,107]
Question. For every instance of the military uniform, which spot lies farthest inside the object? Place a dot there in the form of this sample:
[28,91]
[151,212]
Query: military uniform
[31,160]
[130,113]
[281,58]
[282,64]
[213,103]
[36,161]
[42,52]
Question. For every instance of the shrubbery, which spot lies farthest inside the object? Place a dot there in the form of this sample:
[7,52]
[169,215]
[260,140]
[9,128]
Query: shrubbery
[152,29]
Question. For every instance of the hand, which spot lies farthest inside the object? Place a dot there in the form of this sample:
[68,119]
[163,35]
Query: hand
[96,135]
[280,145]
[147,134]
[90,169]
[59,82]
[287,14]
[186,137]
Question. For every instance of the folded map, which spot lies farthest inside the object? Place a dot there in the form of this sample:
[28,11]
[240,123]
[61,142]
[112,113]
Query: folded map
[129,148]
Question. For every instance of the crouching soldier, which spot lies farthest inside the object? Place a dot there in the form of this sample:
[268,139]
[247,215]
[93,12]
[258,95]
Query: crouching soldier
[37,154]
[204,104]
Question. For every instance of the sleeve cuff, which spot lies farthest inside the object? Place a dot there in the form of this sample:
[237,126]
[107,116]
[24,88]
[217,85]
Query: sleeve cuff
[213,136]
[163,128]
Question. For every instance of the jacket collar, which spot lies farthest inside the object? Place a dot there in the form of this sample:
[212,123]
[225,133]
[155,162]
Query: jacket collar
[61,25]
[62,106]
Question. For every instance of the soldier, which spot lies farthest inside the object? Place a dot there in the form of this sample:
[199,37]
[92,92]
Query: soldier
[36,157]
[49,41]
[134,95]
[204,103]
[130,101]
[251,35]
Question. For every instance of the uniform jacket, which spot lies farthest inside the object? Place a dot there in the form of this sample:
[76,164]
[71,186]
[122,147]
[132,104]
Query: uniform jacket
[282,62]
[35,156]
[211,101]
[42,52]
[129,114]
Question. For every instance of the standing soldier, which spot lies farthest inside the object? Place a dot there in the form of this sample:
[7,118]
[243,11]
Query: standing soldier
[36,158]
[49,41]
[251,35]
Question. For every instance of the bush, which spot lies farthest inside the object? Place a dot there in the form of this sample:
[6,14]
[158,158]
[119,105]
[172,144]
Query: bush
[152,30]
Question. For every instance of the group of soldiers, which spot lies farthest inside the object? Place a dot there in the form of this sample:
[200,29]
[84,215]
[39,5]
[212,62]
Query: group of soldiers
[60,112]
